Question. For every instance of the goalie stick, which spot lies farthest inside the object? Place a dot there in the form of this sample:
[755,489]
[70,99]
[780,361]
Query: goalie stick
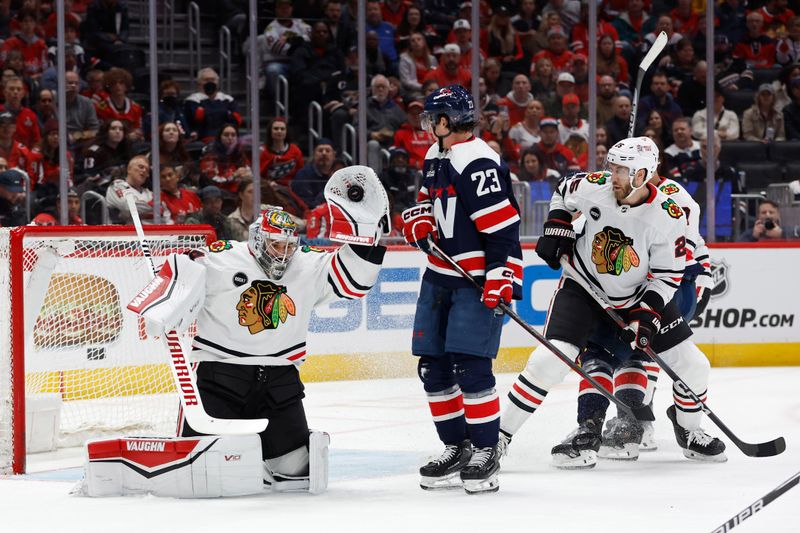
[640,413]
[759,504]
[185,383]
[658,46]
[764,449]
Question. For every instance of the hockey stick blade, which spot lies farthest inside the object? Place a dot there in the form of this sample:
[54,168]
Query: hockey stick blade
[758,505]
[182,374]
[658,46]
[643,413]
[763,449]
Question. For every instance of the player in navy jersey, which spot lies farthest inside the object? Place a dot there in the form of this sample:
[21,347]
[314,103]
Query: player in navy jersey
[467,206]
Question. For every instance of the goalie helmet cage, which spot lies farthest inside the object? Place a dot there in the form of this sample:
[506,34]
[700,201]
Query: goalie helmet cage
[65,332]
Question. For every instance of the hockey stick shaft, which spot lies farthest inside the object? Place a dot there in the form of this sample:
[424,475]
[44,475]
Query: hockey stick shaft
[759,504]
[764,449]
[183,376]
[658,46]
[640,413]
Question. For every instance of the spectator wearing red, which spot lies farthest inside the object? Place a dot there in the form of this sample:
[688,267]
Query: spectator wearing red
[280,158]
[449,71]
[70,18]
[224,162]
[557,50]
[95,87]
[573,131]
[32,47]
[580,71]
[776,15]
[526,132]
[180,202]
[117,82]
[413,22]
[684,19]
[209,109]
[462,35]
[580,32]
[393,11]
[13,151]
[610,62]
[27,131]
[45,162]
[788,48]
[503,42]
[554,154]
[415,63]
[412,138]
[756,49]
[517,99]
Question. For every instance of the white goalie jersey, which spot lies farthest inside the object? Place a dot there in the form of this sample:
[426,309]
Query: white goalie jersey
[629,253]
[248,319]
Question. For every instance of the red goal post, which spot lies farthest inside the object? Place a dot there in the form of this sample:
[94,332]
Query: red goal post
[67,337]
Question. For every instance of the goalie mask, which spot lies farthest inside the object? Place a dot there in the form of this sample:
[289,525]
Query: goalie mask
[273,241]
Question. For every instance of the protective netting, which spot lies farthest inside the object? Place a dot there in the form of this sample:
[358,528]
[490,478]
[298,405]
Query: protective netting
[81,343]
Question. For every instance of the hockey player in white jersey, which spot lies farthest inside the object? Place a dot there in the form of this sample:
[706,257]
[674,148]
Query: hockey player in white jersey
[253,303]
[632,250]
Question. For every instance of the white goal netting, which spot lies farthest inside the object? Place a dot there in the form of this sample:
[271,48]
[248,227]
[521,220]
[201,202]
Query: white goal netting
[67,291]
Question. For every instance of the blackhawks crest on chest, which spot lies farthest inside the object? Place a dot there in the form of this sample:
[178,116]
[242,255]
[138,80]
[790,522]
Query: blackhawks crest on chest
[264,305]
[612,252]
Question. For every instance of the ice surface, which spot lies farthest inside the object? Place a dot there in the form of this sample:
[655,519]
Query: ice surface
[381,433]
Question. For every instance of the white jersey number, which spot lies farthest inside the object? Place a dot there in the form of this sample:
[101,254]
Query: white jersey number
[483,188]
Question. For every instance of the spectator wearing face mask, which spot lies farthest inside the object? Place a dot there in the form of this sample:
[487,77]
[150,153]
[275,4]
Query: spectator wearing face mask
[399,181]
[208,109]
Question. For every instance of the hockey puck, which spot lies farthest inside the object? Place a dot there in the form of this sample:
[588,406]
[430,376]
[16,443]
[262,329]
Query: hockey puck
[355,193]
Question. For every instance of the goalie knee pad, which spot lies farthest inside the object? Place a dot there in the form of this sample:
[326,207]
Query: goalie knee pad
[178,467]
[302,469]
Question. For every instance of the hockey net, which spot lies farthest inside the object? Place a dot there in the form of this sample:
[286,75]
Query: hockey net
[65,333]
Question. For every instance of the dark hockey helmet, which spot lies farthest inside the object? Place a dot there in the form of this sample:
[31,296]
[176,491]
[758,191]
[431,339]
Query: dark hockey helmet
[273,241]
[453,101]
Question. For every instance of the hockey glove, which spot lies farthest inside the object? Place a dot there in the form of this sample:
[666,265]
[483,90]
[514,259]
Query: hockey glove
[557,239]
[498,287]
[418,223]
[643,326]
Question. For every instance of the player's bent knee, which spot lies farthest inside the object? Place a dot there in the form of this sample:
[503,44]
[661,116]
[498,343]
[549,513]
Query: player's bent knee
[436,373]
[545,367]
[691,364]
[474,374]
[178,467]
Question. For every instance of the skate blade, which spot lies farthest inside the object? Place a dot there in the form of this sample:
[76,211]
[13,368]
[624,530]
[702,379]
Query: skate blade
[648,446]
[628,452]
[481,486]
[448,482]
[587,459]
[699,457]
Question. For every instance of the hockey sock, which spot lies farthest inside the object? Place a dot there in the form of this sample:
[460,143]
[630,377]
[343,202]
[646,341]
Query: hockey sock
[688,412]
[590,401]
[652,380]
[481,402]
[525,397]
[630,383]
[444,397]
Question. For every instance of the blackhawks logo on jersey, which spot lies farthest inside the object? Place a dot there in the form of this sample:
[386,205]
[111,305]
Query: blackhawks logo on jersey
[264,305]
[673,209]
[612,252]
[598,178]
[669,188]
[220,246]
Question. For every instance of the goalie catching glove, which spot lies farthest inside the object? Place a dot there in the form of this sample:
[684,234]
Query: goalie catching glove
[418,223]
[358,206]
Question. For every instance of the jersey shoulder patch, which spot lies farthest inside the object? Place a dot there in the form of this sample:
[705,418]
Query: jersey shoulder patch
[598,178]
[672,209]
[308,249]
[669,189]
[219,246]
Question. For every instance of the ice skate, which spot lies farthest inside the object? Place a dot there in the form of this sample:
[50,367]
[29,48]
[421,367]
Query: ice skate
[579,449]
[480,475]
[696,443]
[621,439]
[503,444]
[443,472]
[648,443]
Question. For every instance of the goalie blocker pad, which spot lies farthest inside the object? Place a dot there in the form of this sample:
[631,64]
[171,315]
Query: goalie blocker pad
[173,299]
[358,206]
[179,467]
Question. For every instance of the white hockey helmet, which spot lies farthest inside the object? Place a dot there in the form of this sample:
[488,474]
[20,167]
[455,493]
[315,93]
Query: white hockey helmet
[273,241]
[635,153]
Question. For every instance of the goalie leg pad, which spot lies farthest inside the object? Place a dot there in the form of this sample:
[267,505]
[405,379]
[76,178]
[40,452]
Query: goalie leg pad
[305,468]
[178,467]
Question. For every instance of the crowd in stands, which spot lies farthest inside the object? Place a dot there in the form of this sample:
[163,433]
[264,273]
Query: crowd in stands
[533,98]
